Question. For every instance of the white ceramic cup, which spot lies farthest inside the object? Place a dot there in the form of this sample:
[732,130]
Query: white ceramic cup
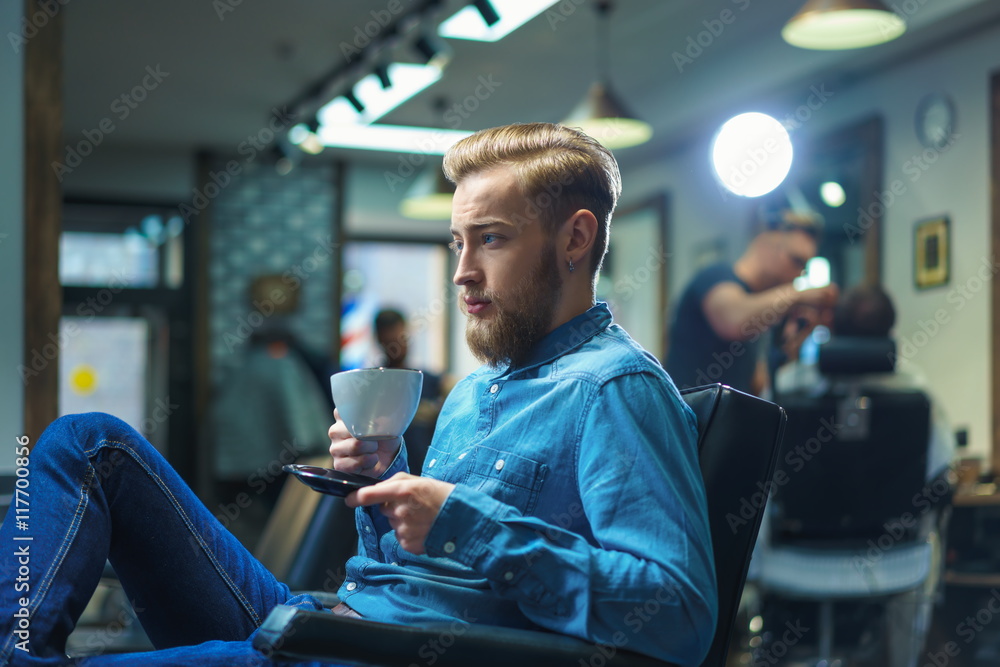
[377,403]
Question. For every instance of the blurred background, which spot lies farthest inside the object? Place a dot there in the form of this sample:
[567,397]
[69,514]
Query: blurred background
[202,220]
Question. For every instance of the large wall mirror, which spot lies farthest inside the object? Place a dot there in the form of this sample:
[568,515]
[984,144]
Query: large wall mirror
[838,176]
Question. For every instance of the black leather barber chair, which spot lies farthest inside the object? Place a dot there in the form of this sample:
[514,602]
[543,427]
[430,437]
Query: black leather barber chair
[739,437]
[854,520]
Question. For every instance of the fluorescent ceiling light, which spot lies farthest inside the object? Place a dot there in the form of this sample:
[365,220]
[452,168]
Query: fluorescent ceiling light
[468,23]
[407,81]
[396,138]
[341,125]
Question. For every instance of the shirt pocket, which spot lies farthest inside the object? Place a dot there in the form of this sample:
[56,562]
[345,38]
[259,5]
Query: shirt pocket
[439,464]
[509,478]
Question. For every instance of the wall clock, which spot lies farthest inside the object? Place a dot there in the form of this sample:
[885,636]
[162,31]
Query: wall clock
[935,120]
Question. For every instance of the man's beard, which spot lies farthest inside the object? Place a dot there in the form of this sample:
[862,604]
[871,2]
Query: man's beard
[521,317]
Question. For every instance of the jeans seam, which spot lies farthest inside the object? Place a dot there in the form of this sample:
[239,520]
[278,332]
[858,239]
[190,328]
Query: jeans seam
[221,571]
[60,556]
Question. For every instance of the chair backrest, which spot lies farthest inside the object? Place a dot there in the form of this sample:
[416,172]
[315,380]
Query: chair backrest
[307,537]
[855,452]
[739,437]
[851,463]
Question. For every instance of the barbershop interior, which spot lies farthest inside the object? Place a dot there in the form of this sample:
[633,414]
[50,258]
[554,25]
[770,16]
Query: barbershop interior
[214,206]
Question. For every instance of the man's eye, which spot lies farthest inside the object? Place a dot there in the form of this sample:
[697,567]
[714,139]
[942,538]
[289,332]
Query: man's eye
[456,247]
[489,238]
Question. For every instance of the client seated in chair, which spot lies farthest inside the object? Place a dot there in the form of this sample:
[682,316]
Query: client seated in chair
[862,323]
[561,491]
[861,491]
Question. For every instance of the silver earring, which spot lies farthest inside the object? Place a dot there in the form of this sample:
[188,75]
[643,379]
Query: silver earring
[571,267]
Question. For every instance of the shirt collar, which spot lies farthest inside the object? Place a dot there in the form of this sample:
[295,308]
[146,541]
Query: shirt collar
[567,337]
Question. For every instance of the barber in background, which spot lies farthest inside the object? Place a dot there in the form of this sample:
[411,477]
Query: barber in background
[725,310]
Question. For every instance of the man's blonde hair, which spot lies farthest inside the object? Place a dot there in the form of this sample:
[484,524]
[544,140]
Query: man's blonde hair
[559,169]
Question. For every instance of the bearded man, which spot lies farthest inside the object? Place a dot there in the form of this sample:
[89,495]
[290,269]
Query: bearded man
[561,490]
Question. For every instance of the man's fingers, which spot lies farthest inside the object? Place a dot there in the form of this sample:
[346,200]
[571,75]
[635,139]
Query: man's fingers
[373,495]
[353,448]
[376,494]
[356,464]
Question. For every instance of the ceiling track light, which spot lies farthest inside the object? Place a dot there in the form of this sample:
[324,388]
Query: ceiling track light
[311,143]
[425,48]
[486,10]
[319,91]
[355,102]
[283,162]
[382,72]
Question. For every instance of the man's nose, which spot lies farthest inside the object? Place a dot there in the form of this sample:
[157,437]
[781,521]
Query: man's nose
[467,271]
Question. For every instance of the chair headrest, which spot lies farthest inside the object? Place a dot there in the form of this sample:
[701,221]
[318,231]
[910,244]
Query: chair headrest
[849,355]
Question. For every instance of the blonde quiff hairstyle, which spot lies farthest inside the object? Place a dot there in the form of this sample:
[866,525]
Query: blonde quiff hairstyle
[559,169]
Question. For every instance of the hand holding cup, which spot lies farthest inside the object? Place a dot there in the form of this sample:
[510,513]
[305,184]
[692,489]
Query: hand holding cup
[374,407]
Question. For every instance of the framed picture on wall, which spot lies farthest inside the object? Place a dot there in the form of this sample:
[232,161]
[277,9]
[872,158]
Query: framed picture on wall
[931,257]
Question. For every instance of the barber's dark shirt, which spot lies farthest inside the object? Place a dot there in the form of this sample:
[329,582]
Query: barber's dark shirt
[697,355]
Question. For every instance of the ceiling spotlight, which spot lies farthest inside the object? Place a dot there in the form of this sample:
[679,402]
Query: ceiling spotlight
[432,51]
[473,22]
[490,16]
[426,48]
[355,102]
[382,72]
[311,143]
[283,163]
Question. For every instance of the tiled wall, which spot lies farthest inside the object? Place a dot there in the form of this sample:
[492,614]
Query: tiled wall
[266,223]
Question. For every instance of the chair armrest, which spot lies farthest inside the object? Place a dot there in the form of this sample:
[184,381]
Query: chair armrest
[290,633]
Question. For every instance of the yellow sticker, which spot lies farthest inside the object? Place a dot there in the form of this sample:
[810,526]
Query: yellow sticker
[83,379]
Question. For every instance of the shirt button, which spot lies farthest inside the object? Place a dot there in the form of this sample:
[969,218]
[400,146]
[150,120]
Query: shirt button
[395,563]
[508,576]
[431,463]
[368,529]
[462,455]
[494,389]
[351,586]
[498,465]
[449,547]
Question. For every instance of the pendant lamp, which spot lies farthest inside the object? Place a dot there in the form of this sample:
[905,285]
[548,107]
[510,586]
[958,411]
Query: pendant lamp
[601,113]
[842,24]
[429,197]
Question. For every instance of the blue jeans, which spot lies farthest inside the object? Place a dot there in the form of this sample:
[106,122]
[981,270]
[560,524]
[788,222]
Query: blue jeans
[99,491]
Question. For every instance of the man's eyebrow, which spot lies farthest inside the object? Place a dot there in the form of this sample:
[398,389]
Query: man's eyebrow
[475,226]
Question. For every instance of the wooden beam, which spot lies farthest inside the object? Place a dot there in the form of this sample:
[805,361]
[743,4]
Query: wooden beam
[42,216]
[995,248]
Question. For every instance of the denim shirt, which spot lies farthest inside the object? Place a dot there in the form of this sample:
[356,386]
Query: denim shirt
[578,507]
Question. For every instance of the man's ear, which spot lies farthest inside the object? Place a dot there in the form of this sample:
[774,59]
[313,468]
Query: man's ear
[578,234]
